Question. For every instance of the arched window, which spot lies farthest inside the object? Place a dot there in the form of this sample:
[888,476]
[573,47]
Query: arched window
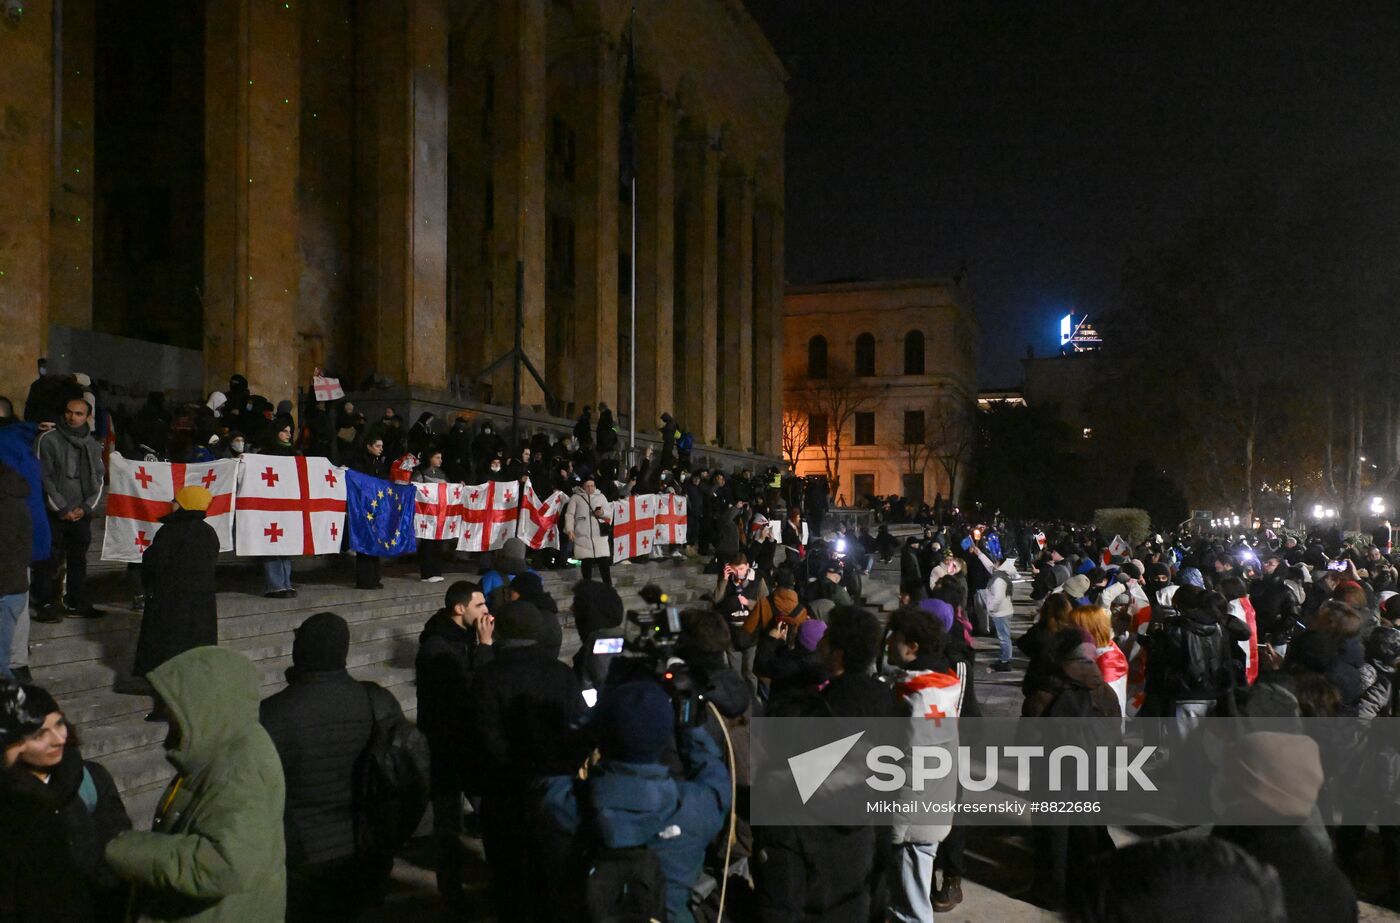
[816,357]
[914,352]
[865,354]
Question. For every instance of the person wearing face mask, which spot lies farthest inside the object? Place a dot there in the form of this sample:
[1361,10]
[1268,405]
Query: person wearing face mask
[60,813]
[235,445]
[587,519]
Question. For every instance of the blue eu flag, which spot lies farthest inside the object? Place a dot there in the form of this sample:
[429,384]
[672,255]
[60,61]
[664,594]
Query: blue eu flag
[379,516]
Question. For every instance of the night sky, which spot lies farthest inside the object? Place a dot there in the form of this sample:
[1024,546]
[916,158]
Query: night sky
[1046,142]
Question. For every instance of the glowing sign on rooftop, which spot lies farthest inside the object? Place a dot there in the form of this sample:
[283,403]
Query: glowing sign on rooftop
[1077,335]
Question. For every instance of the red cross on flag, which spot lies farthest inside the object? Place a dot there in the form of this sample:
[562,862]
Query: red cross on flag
[488,515]
[634,526]
[670,519]
[327,389]
[538,522]
[289,506]
[1117,548]
[933,694]
[140,493]
[437,511]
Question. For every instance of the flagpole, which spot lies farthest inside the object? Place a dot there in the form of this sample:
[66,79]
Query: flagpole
[632,287]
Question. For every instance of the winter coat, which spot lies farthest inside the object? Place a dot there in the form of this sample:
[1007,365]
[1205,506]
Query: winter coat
[642,804]
[16,532]
[1314,889]
[786,668]
[71,461]
[579,521]
[727,533]
[813,874]
[320,724]
[1075,688]
[607,432]
[782,601]
[449,657]
[216,852]
[177,572]
[51,865]
[521,708]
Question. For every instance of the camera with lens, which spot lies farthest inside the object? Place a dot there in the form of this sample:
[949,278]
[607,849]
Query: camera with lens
[649,639]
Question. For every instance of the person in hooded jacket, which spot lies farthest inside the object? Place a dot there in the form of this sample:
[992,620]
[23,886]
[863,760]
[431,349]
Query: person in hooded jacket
[60,813]
[583,428]
[631,798]
[598,614]
[177,573]
[530,588]
[607,431]
[216,852]
[456,643]
[320,725]
[812,874]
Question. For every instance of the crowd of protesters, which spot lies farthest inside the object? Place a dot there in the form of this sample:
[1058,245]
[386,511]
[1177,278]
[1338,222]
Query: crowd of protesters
[632,789]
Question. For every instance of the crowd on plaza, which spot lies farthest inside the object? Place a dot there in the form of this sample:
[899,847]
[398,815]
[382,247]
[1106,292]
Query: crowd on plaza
[616,785]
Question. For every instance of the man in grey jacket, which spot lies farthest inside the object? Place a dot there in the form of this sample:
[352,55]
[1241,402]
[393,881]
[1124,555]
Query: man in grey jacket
[71,462]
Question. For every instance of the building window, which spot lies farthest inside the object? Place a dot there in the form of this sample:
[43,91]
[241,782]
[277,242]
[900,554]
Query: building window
[865,354]
[816,429]
[863,485]
[865,429]
[816,357]
[914,353]
[913,427]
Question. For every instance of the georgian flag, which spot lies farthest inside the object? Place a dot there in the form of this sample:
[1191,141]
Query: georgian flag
[488,515]
[633,526]
[670,519]
[1243,610]
[326,389]
[141,493]
[932,694]
[538,523]
[437,511]
[289,506]
[1117,548]
[1114,667]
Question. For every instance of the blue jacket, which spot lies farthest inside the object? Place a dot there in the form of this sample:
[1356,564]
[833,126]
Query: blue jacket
[17,451]
[493,580]
[641,804]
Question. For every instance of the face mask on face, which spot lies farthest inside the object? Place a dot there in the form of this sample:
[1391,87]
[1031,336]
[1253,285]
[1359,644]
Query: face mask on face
[236,446]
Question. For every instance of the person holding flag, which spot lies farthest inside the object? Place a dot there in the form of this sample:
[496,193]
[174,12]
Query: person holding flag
[372,463]
[379,518]
[430,549]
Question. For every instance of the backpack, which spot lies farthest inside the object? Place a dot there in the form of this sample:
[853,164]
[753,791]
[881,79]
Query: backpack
[1186,659]
[620,885]
[686,442]
[390,781]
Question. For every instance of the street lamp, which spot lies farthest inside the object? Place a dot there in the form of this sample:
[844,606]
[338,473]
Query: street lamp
[1377,506]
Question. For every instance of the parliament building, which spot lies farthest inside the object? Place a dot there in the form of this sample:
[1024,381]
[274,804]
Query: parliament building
[273,187]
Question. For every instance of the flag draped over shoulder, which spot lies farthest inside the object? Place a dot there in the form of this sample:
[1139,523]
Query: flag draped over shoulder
[379,515]
[140,494]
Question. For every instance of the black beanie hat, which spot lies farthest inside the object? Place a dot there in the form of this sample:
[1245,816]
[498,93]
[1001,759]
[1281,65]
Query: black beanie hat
[635,721]
[519,624]
[596,607]
[321,643]
[22,711]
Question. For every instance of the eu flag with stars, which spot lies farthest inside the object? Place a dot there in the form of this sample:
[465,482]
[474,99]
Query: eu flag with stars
[379,516]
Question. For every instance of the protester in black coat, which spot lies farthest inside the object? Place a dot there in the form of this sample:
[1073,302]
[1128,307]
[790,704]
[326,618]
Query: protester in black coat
[849,649]
[607,430]
[177,573]
[320,725]
[454,645]
[16,550]
[598,613]
[522,708]
[51,865]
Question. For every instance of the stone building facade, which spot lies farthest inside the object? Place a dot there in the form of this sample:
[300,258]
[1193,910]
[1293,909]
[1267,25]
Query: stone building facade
[893,367]
[350,185]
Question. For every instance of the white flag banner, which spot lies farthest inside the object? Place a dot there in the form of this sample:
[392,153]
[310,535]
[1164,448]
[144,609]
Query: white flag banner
[289,506]
[633,526]
[327,389]
[538,523]
[139,494]
[488,515]
[1118,547]
[670,519]
[437,511]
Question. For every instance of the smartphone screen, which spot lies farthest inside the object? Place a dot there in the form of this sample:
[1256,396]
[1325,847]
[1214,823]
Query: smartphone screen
[607,646]
[590,696]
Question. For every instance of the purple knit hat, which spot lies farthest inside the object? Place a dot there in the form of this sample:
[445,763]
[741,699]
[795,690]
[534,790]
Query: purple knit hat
[941,612]
[809,634]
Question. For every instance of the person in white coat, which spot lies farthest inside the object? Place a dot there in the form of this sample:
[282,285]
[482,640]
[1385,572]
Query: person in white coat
[996,599]
[587,520]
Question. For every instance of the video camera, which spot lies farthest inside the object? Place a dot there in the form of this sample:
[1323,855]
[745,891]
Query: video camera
[650,636]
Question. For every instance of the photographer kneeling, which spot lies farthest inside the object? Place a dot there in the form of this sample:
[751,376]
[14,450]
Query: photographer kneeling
[630,821]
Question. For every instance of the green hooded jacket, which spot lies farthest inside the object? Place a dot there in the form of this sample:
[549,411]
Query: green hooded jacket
[216,850]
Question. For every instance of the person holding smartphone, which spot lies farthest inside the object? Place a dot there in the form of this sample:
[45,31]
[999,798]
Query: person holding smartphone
[736,595]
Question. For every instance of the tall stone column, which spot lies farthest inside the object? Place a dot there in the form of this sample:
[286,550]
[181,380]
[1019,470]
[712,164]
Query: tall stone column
[26,149]
[696,374]
[736,360]
[518,188]
[767,330]
[70,256]
[252,93]
[656,229]
[402,228]
[597,311]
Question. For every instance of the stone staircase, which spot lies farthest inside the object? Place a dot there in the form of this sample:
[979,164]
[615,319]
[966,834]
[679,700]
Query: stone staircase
[79,660]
